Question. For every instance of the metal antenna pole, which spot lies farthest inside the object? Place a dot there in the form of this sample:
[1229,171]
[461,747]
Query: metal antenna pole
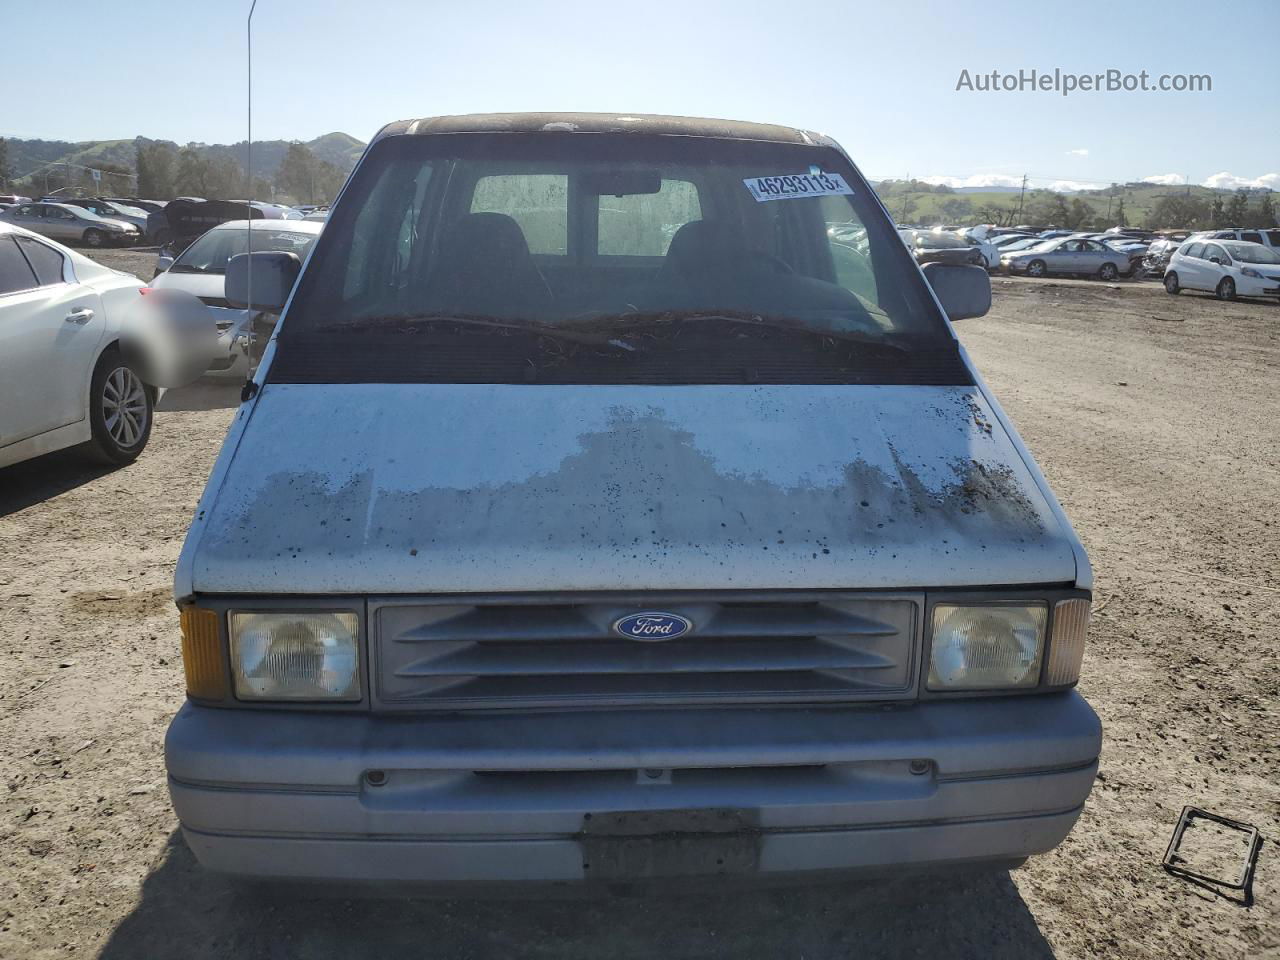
[247,391]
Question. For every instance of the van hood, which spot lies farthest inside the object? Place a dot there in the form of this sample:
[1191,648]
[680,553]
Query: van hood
[393,488]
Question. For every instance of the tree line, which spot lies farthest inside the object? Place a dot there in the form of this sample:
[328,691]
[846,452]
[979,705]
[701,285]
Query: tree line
[909,199]
[165,171]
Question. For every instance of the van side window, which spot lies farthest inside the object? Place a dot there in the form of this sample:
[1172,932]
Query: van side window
[380,263]
[538,202]
[1274,237]
[642,224]
[1251,237]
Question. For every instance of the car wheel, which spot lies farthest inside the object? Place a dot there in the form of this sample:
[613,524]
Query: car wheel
[1036,268]
[1171,283]
[121,407]
[1226,289]
[1107,272]
[94,238]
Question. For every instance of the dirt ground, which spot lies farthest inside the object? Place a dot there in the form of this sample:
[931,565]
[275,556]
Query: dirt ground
[1157,421]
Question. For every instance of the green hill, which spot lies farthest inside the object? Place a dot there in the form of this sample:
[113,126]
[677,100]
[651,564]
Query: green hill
[27,157]
[340,149]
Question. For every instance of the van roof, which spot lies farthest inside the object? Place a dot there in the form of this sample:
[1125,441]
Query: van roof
[642,123]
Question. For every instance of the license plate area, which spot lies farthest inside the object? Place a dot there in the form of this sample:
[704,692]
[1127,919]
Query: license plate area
[634,844]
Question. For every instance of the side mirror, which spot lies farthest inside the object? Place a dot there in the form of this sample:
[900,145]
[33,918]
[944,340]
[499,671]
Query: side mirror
[274,273]
[963,291]
[1216,260]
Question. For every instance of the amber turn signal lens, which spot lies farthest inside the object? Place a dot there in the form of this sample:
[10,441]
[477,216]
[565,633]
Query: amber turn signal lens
[1066,646]
[202,655]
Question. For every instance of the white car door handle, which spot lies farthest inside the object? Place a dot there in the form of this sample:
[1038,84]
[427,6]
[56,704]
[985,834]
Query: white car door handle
[79,315]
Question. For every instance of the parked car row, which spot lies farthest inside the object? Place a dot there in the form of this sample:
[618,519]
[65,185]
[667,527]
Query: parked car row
[67,375]
[72,224]
[151,218]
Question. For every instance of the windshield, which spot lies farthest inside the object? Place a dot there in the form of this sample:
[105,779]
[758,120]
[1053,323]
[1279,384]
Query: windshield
[1252,253]
[211,252]
[613,251]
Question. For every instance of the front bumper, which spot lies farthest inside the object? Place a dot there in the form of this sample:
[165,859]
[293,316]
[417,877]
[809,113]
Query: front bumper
[1254,287]
[628,795]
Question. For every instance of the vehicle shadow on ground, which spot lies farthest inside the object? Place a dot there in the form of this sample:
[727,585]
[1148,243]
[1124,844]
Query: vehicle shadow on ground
[202,395]
[42,478]
[188,913]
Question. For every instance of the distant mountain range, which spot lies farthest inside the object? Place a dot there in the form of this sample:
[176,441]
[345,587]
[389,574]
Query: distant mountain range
[25,156]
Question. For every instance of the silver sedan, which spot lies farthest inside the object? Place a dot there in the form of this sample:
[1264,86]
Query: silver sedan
[61,221]
[1068,255]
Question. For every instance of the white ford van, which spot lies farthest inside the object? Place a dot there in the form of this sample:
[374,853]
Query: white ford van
[597,514]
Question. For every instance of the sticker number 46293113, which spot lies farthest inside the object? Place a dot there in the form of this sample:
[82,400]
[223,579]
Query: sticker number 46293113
[795,186]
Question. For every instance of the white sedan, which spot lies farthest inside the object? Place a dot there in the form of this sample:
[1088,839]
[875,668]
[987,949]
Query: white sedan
[1228,268]
[64,379]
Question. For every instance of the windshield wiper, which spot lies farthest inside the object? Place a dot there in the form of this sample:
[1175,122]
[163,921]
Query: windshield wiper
[552,331]
[673,318]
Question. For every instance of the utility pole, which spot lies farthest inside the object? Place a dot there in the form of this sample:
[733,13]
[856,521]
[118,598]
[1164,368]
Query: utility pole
[1021,194]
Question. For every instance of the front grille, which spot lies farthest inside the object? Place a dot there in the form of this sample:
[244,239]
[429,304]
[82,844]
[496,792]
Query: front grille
[460,653]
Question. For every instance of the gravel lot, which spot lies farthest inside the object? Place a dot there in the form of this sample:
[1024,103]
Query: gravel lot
[1157,420]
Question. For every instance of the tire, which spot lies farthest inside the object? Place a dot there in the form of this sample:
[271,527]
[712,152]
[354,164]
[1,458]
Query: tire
[1226,289]
[1108,272]
[119,436]
[1036,268]
[95,238]
[1171,286]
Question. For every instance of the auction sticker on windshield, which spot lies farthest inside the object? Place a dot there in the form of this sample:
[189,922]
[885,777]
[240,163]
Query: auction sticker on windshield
[798,185]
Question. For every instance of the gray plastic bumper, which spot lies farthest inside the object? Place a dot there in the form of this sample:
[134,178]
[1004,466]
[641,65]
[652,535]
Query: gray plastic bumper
[630,794]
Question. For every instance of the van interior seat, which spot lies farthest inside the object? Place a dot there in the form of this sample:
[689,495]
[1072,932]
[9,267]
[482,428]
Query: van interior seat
[484,268]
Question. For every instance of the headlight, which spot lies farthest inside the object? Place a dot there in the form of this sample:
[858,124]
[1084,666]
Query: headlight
[295,655]
[1250,272]
[986,647]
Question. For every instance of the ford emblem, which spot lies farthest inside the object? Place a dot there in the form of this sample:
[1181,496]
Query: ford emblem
[652,626]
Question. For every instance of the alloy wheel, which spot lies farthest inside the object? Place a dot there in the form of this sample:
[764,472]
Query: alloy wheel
[124,406]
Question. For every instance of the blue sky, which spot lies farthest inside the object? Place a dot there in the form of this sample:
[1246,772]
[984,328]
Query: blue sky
[880,77]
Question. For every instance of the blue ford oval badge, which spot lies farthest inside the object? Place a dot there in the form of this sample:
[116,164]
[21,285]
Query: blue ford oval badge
[653,626]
